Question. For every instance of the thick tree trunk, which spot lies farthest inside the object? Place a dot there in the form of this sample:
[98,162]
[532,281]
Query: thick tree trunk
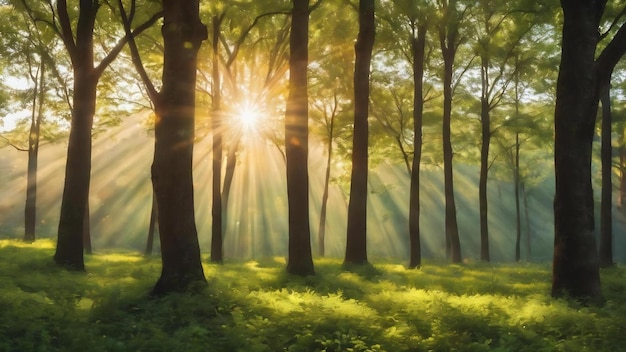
[300,260]
[183,34]
[217,248]
[69,251]
[606,206]
[575,263]
[356,244]
[418,50]
[453,244]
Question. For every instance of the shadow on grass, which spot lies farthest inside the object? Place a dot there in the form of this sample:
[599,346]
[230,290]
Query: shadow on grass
[257,306]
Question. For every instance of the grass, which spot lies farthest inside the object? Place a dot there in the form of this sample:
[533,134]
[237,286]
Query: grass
[256,306]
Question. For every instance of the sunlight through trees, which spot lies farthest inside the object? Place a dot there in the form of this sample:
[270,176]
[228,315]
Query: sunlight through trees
[413,131]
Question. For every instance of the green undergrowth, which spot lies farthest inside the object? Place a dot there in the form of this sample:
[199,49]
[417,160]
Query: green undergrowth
[256,306]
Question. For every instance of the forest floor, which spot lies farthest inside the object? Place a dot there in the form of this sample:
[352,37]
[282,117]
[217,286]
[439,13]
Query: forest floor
[256,306]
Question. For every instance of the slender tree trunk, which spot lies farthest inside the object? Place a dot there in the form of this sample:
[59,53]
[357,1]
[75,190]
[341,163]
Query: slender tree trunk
[300,260]
[151,226]
[418,50]
[622,180]
[518,219]
[575,263]
[527,219]
[30,209]
[356,244]
[606,206]
[321,237]
[87,231]
[453,244]
[217,247]
[183,33]
[231,162]
[484,160]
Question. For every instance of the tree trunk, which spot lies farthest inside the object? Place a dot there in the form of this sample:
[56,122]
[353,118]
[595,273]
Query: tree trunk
[87,231]
[622,183]
[418,50]
[518,219]
[231,162]
[183,33]
[484,160]
[151,226]
[356,244]
[69,251]
[321,237]
[453,244]
[217,248]
[606,206]
[30,209]
[300,260]
[575,263]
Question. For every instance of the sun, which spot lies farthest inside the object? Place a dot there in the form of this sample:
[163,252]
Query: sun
[248,115]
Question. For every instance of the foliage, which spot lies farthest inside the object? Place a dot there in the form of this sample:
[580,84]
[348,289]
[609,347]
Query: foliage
[256,306]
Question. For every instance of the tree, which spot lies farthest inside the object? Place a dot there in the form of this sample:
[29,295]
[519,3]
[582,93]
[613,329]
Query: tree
[183,34]
[606,203]
[418,43]
[581,77]
[499,37]
[356,244]
[231,29]
[300,261]
[412,24]
[217,247]
[449,41]
[79,44]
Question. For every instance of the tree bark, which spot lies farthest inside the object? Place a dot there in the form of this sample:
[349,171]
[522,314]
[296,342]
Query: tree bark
[151,226]
[356,244]
[321,237]
[183,33]
[606,206]
[300,260]
[217,247]
[79,45]
[575,263]
[485,123]
[69,250]
[518,219]
[418,45]
[30,208]
[231,163]
[87,231]
[447,39]
[622,180]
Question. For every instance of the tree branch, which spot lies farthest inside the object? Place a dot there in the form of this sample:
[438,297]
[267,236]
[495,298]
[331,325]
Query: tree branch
[120,44]
[610,56]
[66,29]
[153,95]
[11,144]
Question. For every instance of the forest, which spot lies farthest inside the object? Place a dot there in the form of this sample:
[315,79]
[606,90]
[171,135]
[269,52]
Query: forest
[325,175]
